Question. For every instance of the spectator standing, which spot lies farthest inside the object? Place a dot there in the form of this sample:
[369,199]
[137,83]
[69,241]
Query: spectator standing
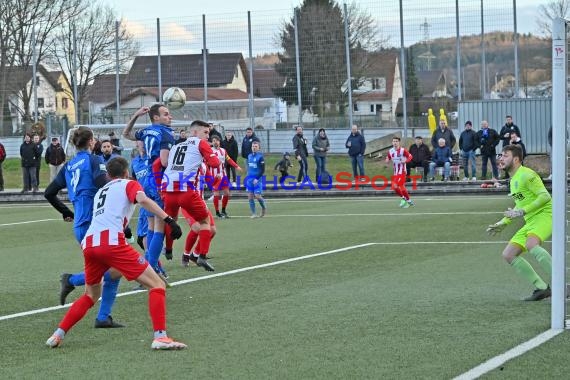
[213,132]
[421,157]
[356,147]
[283,167]
[229,143]
[39,150]
[107,151]
[116,143]
[443,132]
[321,146]
[2,158]
[468,145]
[441,158]
[505,132]
[55,157]
[28,154]
[248,139]
[488,139]
[182,137]
[301,153]
[516,140]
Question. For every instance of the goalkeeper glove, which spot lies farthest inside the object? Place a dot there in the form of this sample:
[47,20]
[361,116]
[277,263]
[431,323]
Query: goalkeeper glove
[514,213]
[496,228]
[175,230]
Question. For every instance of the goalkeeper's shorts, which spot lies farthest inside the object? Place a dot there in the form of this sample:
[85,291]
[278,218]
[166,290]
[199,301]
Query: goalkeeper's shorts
[540,226]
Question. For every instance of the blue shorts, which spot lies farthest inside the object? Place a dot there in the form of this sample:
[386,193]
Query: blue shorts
[80,231]
[253,188]
[151,191]
[142,225]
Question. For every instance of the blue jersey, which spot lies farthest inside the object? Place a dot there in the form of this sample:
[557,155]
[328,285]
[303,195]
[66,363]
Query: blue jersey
[255,165]
[139,169]
[79,175]
[155,138]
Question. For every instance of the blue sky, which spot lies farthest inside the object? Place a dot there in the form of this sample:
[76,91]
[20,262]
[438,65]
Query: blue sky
[226,21]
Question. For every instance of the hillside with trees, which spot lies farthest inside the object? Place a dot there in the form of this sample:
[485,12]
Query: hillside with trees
[534,59]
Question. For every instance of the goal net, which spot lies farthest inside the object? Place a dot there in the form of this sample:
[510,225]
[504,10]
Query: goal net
[560,94]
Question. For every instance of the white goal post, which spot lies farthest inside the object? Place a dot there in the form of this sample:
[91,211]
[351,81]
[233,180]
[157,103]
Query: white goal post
[559,171]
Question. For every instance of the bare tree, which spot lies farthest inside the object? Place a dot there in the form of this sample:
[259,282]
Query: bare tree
[7,46]
[95,41]
[40,18]
[550,11]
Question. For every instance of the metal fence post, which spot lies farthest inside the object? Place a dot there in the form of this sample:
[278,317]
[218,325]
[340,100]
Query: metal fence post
[298,66]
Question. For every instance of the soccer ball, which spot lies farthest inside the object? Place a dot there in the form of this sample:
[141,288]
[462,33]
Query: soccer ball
[174,98]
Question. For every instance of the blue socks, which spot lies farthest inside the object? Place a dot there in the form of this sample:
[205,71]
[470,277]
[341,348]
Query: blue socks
[108,296]
[252,206]
[77,279]
[261,203]
[155,248]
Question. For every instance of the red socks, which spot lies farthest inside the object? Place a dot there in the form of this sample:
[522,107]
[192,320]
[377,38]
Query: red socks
[76,312]
[157,308]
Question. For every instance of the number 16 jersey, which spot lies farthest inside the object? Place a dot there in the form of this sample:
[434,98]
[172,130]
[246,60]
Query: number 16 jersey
[184,160]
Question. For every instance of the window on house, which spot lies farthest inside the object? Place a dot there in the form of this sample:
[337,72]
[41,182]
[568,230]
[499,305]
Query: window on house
[378,108]
[64,103]
[37,80]
[375,83]
[355,107]
[40,102]
[372,108]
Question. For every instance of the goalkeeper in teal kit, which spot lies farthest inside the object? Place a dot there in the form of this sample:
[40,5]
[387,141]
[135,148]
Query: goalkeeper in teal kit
[534,204]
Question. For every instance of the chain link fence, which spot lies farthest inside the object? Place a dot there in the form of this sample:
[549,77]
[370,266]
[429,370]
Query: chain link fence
[320,66]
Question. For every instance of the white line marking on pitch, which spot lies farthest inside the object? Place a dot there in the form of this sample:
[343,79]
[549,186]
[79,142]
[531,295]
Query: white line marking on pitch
[514,352]
[38,311]
[266,265]
[27,222]
[401,213]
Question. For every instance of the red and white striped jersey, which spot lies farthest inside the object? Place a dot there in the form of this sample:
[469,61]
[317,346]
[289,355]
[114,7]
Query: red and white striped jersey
[399,158]
[221,168]
[184,160]
[113,206]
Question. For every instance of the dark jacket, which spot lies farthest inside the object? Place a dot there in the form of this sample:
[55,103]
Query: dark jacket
[446,134]
[283,165]
[468,140]
[420,153]
[214,132]
[488,141]
[320,143]
[28,154]
[2,153]
[357,144]
[231,147]
[38,156]
[300,145]
[508,128]
[246,145]
[442,155]
[55,155]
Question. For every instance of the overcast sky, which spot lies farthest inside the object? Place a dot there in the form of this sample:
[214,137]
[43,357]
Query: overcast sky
[226,21]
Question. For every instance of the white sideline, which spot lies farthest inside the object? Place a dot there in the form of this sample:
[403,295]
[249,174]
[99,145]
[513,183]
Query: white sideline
[182,282]
[514,352]
[27,222]
[240,270]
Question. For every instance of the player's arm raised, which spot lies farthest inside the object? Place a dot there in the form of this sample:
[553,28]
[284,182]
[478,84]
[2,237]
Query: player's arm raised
[128,131]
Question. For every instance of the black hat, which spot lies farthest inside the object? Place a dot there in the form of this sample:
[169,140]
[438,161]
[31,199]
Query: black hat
[419,137]
[468,122]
